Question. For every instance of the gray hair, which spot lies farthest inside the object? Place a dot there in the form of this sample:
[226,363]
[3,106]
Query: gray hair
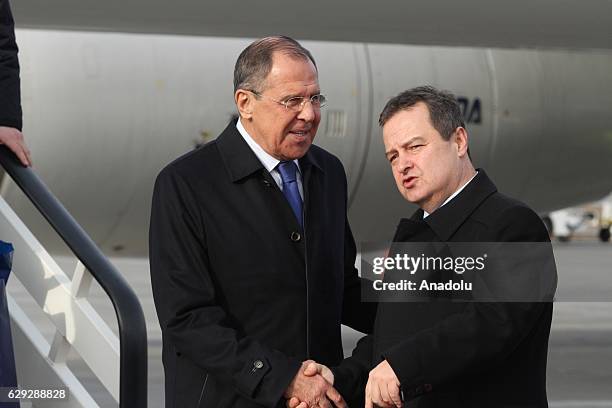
[255,61]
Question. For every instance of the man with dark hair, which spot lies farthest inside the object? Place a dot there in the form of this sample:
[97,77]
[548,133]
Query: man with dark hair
[443,353]
[252,258]
[444,111]
[10,99]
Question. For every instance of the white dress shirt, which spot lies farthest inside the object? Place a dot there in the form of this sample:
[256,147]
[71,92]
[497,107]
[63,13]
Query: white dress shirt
[268,161]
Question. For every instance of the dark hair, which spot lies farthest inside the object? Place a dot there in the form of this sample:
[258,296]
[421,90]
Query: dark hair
[255,61]
[444,110]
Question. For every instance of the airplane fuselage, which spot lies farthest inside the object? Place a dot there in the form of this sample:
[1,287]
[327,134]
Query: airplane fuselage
[103,113]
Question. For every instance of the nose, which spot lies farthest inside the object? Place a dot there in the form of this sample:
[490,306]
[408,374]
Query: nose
[308,112]
[405,163]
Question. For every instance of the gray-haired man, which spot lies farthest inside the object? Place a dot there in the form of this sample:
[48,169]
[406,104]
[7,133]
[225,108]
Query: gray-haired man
[252,257]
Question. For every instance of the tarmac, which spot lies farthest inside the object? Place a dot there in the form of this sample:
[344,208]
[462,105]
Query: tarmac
[580,350]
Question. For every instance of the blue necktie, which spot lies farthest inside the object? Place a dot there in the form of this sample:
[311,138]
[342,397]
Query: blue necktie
[287,170]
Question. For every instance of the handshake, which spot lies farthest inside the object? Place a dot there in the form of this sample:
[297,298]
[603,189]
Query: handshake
[312,387]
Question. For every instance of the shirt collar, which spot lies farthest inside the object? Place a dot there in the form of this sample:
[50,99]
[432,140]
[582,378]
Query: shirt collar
[269,162]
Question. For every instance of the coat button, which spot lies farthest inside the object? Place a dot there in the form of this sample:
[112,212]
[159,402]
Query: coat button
[296,237]
[258,364]
[428,387]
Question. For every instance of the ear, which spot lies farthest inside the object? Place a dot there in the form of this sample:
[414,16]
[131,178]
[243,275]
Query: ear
[460,138]
[244,102]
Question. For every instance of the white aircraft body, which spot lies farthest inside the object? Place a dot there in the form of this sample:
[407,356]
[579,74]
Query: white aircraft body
[104,112]
[482,23]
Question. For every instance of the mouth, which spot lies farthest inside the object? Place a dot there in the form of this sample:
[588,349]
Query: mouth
[300,133]
[409,182]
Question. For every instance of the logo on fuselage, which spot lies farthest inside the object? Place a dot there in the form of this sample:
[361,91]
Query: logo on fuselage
[471,109]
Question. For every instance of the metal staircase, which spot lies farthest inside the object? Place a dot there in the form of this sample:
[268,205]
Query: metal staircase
[119,363]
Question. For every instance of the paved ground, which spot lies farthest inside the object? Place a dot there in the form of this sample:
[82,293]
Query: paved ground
[580,353]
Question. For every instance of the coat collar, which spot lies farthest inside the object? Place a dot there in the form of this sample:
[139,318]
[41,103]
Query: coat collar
[239,159]
[446,220]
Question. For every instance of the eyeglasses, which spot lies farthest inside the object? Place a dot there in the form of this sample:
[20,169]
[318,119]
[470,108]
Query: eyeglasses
[297,103]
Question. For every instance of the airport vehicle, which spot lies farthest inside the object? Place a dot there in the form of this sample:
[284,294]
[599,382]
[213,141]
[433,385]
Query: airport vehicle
[593,219]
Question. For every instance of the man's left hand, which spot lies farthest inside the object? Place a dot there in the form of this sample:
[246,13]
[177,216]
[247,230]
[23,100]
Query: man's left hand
[13,139]
[383,388]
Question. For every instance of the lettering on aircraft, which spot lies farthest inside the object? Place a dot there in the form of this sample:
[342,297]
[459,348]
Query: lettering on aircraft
[470,109]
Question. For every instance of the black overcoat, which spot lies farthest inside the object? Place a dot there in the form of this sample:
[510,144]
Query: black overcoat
[466,354]
[10,97]
[243,294]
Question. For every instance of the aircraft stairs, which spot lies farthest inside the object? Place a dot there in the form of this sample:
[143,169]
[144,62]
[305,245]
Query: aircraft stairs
[118,362]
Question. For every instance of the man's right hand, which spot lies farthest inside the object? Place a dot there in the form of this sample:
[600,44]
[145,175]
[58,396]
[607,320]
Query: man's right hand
[310,388]
[13,139]
[311,369]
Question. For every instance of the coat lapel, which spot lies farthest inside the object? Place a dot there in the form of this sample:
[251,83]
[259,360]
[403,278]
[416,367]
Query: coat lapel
[237,156]
[241,162]
[446,220]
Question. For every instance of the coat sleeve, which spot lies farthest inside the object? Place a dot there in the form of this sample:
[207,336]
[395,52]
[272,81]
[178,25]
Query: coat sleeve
[188,307]
[351,376]
[10,97]
[483,334]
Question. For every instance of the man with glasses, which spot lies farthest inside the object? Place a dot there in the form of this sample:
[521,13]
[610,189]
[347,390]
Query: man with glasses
[252,257]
